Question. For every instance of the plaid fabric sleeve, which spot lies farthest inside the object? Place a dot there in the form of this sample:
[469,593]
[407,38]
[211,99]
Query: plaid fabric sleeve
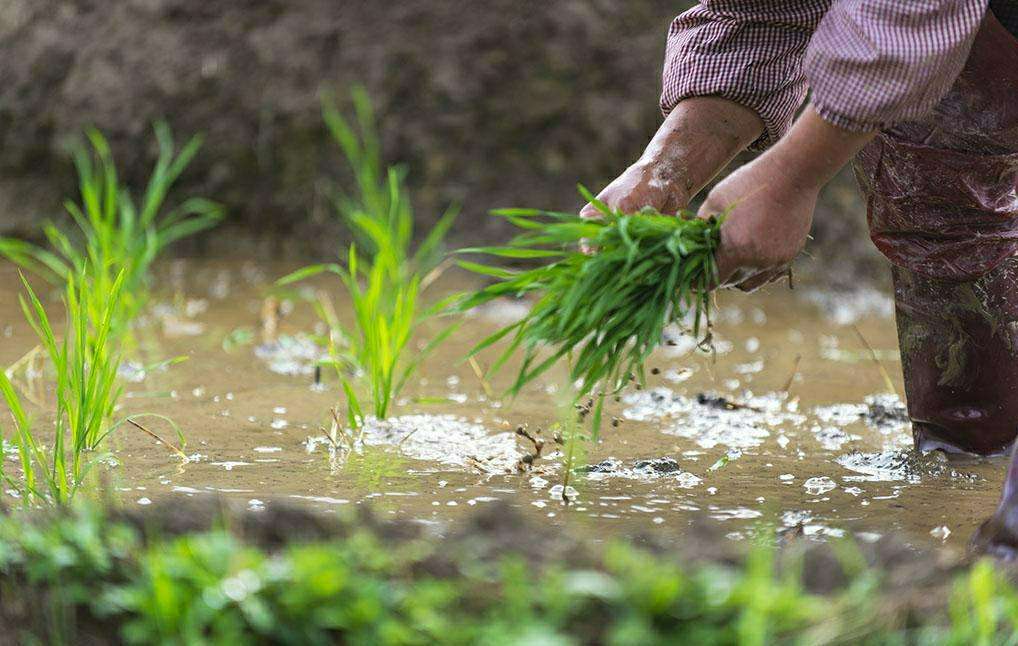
[747,51]
[874,63]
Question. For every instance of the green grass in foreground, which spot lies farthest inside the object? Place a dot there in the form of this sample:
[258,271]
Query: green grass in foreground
[604,311]
[63,573]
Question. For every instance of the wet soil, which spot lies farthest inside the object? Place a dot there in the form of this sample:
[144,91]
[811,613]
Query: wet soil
[786,425]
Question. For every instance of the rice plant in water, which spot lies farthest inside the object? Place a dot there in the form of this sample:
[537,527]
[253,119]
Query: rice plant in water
[604,311]
[116,236]
[85,361]
[379,212]
[381,273]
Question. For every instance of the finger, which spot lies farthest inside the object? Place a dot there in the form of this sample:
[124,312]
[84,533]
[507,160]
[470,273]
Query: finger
[589,211]
[730,271]
[763,278]
[711,208]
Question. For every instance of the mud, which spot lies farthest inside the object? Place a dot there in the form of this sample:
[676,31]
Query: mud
[787,427]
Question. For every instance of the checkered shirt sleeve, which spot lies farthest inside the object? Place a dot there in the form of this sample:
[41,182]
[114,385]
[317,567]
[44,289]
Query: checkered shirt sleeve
[868,63]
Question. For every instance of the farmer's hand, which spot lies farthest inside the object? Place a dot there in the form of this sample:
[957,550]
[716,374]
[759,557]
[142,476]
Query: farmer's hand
[770,201]
[768,220]
[699,137]
[659,186]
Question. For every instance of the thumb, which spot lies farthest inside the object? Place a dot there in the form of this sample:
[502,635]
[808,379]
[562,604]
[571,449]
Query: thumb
[711,207]
[727,266]
[589,211]
[726,269]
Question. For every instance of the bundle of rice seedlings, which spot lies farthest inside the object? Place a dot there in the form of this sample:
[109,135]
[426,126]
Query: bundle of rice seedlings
[605,311]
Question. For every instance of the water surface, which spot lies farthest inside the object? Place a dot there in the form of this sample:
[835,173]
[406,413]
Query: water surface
[789,424]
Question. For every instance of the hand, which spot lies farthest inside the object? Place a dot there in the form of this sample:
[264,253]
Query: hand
[767,222]
[699,137]
[644,184]
[770,201]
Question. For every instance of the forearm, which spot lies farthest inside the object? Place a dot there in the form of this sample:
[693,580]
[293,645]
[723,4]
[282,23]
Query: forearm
[697,140]
[746,51]
[813,151]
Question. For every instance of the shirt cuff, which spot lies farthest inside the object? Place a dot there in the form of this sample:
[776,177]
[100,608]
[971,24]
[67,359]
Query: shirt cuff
[844,121]
[775,125]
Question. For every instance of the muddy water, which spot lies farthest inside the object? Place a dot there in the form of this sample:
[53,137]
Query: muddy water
[715,436]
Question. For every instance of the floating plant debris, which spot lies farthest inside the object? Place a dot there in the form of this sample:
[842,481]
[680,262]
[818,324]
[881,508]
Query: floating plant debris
[605,311]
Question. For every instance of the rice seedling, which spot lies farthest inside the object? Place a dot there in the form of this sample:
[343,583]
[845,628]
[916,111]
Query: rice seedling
[604,311]
[379,212]
[117,237]
[85,361]
[380,272]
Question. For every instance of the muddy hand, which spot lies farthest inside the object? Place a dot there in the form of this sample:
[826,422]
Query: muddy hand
[697,140]
[766,224]
[770,201]
[644,184]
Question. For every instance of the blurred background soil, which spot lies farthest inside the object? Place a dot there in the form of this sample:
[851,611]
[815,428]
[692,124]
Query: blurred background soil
[490,104]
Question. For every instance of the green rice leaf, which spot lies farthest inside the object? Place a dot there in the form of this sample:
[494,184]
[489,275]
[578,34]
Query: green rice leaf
[513,252]
[486,270]
[307,272]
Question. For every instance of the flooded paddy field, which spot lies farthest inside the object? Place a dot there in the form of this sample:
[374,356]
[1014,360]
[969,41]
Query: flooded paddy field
[788,425]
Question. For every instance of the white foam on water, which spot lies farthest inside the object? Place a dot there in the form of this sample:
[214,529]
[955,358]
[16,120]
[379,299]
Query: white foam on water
[886,466]
[291,355]
[847,307]
[322,499]
[445,439]
[745,426]
[819,485]
[832,438]
[738,513]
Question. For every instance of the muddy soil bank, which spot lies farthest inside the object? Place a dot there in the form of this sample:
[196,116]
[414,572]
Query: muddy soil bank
[501,103]
[499,530]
